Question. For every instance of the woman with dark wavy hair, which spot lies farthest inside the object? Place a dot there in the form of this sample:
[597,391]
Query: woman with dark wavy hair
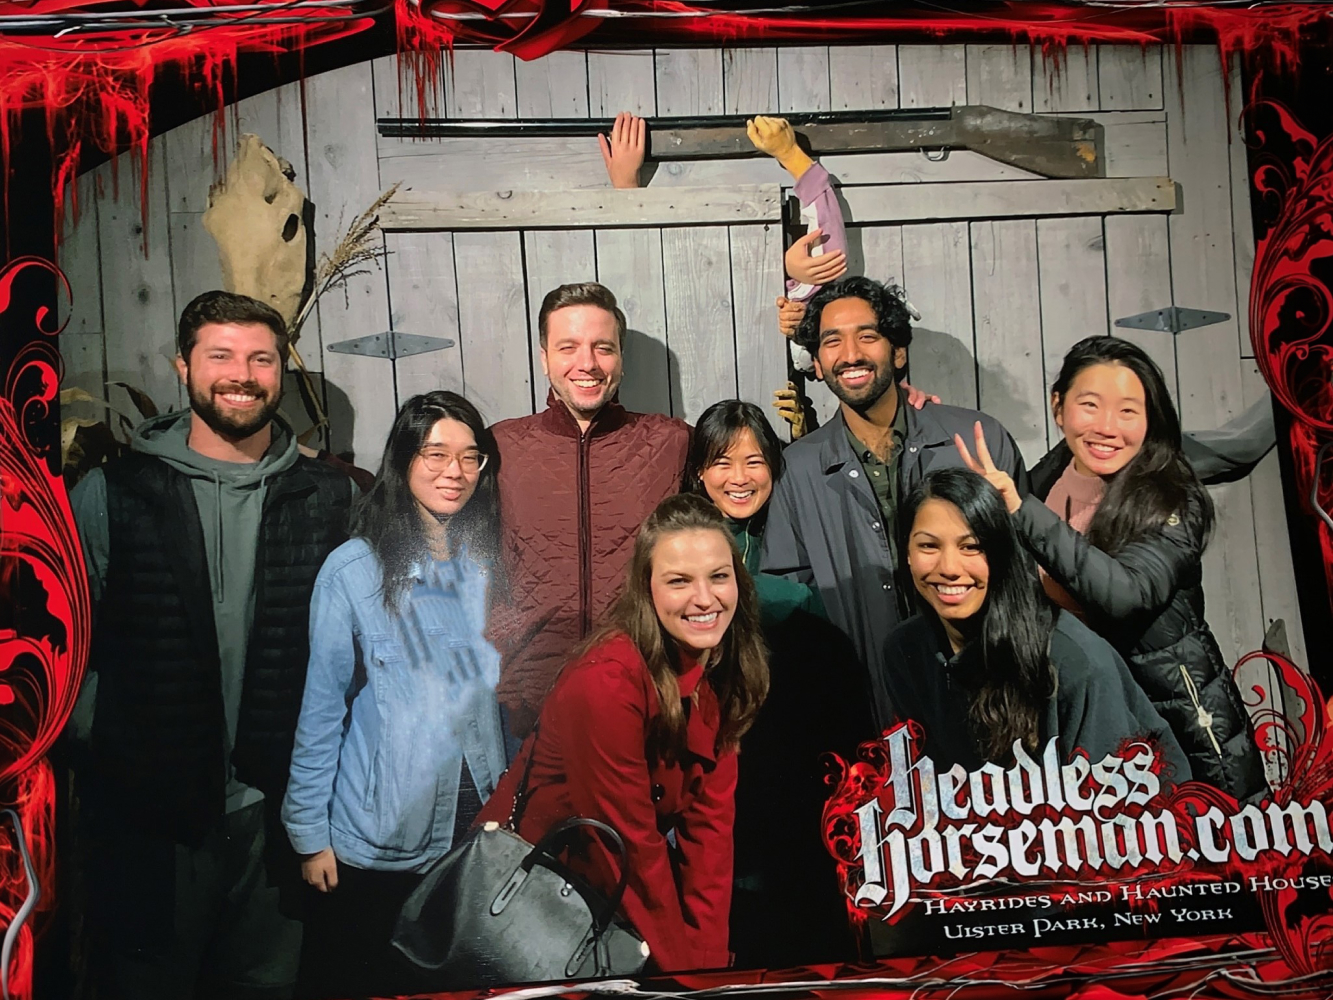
[640,731]
[398,742]
[987,638]
[1118,522]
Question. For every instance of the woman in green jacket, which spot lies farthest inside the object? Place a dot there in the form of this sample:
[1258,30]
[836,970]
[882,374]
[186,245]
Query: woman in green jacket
[735,460]
[787,907]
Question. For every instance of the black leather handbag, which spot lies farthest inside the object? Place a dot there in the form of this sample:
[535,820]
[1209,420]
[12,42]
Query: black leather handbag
[498,910]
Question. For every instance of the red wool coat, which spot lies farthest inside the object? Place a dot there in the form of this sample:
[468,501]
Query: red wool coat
[570,506]
[591,760]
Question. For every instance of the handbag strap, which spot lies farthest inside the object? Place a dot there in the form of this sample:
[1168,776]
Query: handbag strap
[522,792]
[559,835]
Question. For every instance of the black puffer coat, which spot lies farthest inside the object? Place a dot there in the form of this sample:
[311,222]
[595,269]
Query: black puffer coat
[1147,601]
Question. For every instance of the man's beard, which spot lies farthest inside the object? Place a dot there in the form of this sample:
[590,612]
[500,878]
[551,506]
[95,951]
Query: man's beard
[867,396]
[233,428]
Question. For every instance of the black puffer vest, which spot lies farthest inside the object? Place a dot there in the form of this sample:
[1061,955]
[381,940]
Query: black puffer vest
[158,733]
[1176,660]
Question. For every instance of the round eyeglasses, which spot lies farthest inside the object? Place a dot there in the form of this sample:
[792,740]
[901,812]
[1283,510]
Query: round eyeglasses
[436,460]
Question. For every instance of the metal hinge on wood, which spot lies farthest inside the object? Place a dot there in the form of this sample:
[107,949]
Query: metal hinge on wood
[1172,319]
[391,344]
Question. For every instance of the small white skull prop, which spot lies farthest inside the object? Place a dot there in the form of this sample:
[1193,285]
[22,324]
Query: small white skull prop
[255,217]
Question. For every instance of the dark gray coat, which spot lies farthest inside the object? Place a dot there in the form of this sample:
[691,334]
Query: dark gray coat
[824,524]
[1147,601]
[1095,708]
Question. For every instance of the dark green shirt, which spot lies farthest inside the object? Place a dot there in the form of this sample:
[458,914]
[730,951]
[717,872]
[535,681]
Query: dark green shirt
[778,597]
[883,476]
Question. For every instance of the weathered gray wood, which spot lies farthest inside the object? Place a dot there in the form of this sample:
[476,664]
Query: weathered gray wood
[423,299]
[493,323]
[991,199]
[188,151]
[552,258]
[1065,80]
[1277,578]
[750,81]
[492,164]
[480,84]
[1071,263]
[138,307]
[397,94]
[937,277]
[756,282]
[629,262]
[85,368]
[344,181]
[1203,276]
[554,86]
[1242,218]
[881,254]
[1129,77]
[79,257]
[863,77]
[1011,376]
[603,207]
[689,81]
[1138,279]
[195,266]
[1135,142]
[621,81]
[696,266]
[1000,76]
[803,78]
[932,76]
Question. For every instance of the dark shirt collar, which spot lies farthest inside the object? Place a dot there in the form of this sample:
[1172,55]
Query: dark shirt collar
[898,432]
[557,418]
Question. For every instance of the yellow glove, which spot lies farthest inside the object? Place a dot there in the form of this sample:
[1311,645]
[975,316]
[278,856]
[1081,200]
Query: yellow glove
[789,406]
[777,138]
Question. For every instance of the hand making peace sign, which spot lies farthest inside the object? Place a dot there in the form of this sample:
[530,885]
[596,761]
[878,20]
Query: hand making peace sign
[984,466]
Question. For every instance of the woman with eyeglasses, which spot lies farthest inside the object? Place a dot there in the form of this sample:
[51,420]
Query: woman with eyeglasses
[399,741]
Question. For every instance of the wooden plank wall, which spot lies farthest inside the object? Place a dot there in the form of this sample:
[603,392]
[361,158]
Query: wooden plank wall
[1002,299]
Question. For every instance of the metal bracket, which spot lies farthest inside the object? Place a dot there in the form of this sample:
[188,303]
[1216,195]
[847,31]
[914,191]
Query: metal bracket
[1172,319]
[391,344]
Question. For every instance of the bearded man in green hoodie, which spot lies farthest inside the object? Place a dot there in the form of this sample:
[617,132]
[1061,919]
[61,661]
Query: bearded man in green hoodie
[202,547]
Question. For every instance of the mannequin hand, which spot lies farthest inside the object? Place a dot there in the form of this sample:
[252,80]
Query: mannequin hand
[788,404]
[809,270]
[789,316]
[321,870]
[623,152]
[777,138]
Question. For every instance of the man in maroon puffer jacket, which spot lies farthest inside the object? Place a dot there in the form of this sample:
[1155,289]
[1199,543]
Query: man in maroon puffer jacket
[576,481]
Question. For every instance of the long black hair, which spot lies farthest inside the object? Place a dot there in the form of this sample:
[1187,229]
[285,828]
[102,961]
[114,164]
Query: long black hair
[1158,481]
[388,516]
[716,431]
[1015,679]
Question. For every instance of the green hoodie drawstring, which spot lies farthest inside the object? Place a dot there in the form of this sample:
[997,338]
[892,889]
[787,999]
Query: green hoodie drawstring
[219,591]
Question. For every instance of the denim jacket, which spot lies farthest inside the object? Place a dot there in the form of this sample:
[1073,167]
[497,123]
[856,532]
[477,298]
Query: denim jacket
[393,703]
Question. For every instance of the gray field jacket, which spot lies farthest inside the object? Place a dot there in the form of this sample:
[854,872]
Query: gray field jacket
[824,524]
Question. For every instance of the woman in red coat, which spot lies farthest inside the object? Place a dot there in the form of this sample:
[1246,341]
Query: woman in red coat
[640,731]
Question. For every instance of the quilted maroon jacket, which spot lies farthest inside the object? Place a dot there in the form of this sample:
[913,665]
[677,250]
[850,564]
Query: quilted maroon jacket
[570,507]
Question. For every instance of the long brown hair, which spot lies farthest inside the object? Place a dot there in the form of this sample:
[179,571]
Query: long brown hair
[738,669]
